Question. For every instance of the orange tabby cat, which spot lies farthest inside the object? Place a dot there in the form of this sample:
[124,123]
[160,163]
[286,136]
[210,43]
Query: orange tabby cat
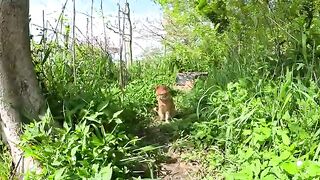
[166,107]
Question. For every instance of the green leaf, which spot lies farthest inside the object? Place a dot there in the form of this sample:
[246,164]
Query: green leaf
[285,155]
[95,168]
[103,105]
[275,161]
[285,139]
[265,172]
[74,151]
[147,148]
[241,176]
[269,177]
[313,169]
[278,172]
[246,132]
[58,174]
[249,153]
[257,167]
[290,167]
[118,121]
[116,114]
[106,172]
[304,45]
[94,116]
[286,116]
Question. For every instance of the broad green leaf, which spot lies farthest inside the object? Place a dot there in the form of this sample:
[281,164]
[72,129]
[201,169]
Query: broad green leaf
[265,172]
[106,172]
[285,155]
[59,173]
[275,161]
[285,139]
[95,168]
[290,167]
[249,153]
[313,169]
[286,116]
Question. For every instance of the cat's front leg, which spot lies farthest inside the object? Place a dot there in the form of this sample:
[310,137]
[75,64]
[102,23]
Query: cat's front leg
[161,116]
[167,116]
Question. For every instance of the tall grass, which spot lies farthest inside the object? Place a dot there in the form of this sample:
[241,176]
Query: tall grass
[255,116]
[99,123]
[258,109]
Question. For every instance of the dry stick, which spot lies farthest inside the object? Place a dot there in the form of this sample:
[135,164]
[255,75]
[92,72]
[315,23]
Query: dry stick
[124,44]
[59,18]
[114,29]
[44,39]
[87,37]
[120,48]
[130,32]
[61,30]
[124,41]
[47,29]
[91,16]
[14,171]
[87,32]
[74,42]
[104,27]
[105,37]
[43,35]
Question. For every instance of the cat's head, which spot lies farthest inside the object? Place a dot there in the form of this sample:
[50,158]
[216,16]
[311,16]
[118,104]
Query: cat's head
[162,92]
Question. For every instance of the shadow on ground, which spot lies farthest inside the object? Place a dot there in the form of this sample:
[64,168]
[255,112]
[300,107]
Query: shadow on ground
[169,164]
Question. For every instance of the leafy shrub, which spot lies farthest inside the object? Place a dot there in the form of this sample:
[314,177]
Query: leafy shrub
[262,131]
[95,144]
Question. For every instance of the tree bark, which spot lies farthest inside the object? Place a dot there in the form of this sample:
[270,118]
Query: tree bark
[19,90]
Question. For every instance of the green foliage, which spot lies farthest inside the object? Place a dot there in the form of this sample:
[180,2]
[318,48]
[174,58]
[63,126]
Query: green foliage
[262,131]
[5,162]
[193,44]
[98,133]
[255,116]
[262,37]
[95,147]
[215,11]
[258,112]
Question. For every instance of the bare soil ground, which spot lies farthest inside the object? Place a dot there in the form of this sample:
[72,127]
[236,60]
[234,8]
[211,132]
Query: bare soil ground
[173,167]
[178,169]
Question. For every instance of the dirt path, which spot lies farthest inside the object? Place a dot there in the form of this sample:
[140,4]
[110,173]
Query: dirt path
[173,167]
[177,168]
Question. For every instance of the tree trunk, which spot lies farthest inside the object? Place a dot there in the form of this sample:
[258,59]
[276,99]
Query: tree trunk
[19,89]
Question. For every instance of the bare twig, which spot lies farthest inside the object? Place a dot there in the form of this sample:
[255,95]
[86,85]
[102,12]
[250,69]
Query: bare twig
[91,16]
[43,36]
[120,48]
[104,27]
[60,16]
[74,42]
[130,32]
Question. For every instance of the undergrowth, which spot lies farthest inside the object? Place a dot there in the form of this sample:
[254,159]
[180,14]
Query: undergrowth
[256,115]
[258,130]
